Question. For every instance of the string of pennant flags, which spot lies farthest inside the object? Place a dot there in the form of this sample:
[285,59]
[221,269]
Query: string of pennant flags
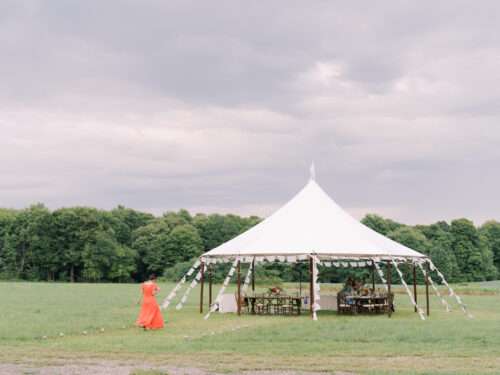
[436,290]
[222,290]
[316,287]
[248,278]
[451,291]
[412,298]
[174,291]
[381,274]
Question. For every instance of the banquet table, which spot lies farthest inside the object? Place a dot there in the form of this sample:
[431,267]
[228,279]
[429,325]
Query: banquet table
[274,304]
[366,304]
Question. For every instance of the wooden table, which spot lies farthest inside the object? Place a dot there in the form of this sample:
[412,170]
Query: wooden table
[274,304]
[365,304]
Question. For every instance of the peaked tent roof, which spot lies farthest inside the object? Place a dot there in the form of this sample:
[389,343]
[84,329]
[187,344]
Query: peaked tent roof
[312,223]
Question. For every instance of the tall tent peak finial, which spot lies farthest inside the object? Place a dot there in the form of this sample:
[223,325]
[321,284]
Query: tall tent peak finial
[312,171]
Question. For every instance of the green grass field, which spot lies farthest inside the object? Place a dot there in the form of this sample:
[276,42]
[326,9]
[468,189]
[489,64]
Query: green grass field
[33,315]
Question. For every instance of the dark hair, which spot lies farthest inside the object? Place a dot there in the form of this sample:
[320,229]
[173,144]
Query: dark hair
[152,277]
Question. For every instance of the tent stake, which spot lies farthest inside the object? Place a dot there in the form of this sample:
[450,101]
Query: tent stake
[202,283]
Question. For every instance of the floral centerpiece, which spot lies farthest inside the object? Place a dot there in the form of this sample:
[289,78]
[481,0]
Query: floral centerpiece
[275,291]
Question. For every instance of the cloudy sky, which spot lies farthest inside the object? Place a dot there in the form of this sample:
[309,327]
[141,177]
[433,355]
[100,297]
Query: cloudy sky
[221,106]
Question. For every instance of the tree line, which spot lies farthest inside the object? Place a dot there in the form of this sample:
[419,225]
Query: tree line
[83,244]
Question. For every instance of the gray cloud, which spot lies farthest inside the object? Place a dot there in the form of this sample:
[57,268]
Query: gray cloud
[222,106]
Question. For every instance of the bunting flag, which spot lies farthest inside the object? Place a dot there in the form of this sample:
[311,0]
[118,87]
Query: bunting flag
[316,287]
[443,301]
[248,278]
[412,298]
[166,302]
[380,273]
[223,288]
[188,290]
[452,292]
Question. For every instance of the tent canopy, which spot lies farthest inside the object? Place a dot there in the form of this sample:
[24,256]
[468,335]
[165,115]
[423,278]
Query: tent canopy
[312,224]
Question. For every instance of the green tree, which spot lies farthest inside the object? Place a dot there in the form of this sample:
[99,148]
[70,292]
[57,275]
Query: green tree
[473,257]
[380,224]
[491,233]
[441,248]
[125,220]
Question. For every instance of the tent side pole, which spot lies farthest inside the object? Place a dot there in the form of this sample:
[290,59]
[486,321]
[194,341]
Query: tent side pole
[389,296]
[373,276]
[253,275]
[311,286]
[414,284]
[210,270]
[202,283]
[239,288]
[443,301]
[214,306]
[408,291]
[427,305]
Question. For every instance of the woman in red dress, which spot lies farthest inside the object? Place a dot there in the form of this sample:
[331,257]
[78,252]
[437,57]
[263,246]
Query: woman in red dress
[150,315]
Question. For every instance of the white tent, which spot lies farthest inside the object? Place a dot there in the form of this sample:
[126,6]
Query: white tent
[312,227]
[312,224]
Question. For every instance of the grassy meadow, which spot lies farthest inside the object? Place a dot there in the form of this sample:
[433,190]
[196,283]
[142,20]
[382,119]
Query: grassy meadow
[44,322]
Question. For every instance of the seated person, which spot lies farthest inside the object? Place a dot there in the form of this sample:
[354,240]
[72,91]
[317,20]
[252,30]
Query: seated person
[359,286]
[348,287]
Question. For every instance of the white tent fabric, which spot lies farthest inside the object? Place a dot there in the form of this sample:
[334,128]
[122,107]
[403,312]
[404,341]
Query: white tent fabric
[312,223]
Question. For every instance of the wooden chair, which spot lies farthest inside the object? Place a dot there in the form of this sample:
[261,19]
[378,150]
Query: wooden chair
[343,306]
[243,302]
[286,307]
[261,306]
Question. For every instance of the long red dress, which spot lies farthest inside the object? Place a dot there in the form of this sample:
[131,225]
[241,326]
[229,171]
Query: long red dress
[150,315]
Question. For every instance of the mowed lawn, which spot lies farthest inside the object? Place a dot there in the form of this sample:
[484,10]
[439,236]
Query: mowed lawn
[44,322]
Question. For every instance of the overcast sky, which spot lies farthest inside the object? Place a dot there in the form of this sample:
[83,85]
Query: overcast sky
[220,106]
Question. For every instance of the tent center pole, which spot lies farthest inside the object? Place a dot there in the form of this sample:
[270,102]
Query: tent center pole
[210,270]
[427,288]
[389,294]
[239,288]
[414,269]
[373,276]
[311,286]
[202,282]
[253,275]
